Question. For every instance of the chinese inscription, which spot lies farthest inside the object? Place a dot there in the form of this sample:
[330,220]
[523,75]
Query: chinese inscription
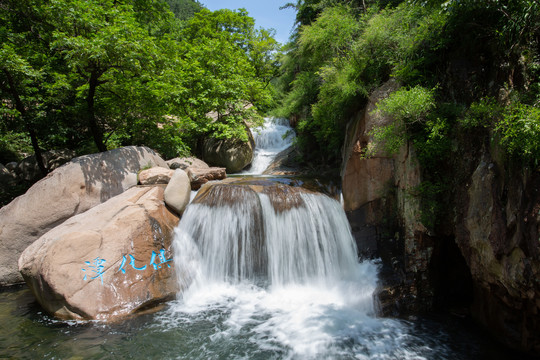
[95,269]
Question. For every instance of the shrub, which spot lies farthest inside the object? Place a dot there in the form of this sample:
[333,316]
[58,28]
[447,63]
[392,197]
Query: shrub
[408,105]
[519,131]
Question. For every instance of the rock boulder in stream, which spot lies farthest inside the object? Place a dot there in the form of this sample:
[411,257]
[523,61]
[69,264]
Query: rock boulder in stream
[178,191]
[73,188]
[233,154]
[109,262]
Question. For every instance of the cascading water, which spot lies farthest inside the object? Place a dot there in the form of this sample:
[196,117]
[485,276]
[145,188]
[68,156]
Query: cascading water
[273,137]
[275,272]
[269,273]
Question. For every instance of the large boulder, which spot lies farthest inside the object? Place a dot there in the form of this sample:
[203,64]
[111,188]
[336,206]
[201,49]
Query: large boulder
[198,171]
[233,154]
[75,187]
[108,262]
[198,177]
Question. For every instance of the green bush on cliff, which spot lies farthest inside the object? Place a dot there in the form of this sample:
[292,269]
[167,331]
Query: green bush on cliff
[406,107]
[410,105]
[516,126]
[482,113]
[519,131]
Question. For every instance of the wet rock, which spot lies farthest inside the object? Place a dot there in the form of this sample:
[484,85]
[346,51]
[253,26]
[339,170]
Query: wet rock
[282,197]
[285,163]
[108,262]
[75,187]
[155,175]
[178,191]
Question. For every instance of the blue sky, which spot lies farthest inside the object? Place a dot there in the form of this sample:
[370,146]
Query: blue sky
[265,12]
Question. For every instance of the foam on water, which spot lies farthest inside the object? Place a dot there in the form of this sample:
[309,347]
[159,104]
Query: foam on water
[305,297]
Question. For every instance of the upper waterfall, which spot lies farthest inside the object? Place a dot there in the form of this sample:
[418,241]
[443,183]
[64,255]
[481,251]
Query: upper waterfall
[274,136]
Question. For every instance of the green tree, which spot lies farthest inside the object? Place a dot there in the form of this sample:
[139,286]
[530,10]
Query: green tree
[184,9]
[225,64]
[105,48]
[25,76]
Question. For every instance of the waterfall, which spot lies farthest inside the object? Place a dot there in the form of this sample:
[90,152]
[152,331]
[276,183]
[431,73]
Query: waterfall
[282,234]
[276,265]
[274,136]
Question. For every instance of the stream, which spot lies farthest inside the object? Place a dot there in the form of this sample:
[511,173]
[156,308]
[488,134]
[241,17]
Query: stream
[274,277]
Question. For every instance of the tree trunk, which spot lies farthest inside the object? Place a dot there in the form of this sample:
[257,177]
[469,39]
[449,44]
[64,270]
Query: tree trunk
[21,109]
[37,149]
[92,123]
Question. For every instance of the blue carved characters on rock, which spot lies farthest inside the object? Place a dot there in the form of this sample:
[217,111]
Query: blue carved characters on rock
[161,257]
[95,268]
[132,263]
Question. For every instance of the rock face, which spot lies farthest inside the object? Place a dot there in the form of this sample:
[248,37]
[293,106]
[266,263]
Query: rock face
[108,262]
[484,254]
[178,191]
[383,214]
[155,175]
[73,188]
[233,154]
[498,232]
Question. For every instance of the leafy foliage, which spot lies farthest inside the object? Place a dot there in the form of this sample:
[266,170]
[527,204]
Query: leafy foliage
[408,105]
[184,9]
[519,131]
[115,73]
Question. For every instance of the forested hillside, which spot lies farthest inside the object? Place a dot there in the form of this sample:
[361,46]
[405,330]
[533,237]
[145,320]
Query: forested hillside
[95,75]
[463,65]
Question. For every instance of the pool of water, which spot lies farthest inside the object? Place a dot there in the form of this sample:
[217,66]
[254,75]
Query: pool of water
[239,323]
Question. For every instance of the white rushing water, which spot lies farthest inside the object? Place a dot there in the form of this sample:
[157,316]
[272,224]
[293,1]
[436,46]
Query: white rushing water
[273,137]
[280,283]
